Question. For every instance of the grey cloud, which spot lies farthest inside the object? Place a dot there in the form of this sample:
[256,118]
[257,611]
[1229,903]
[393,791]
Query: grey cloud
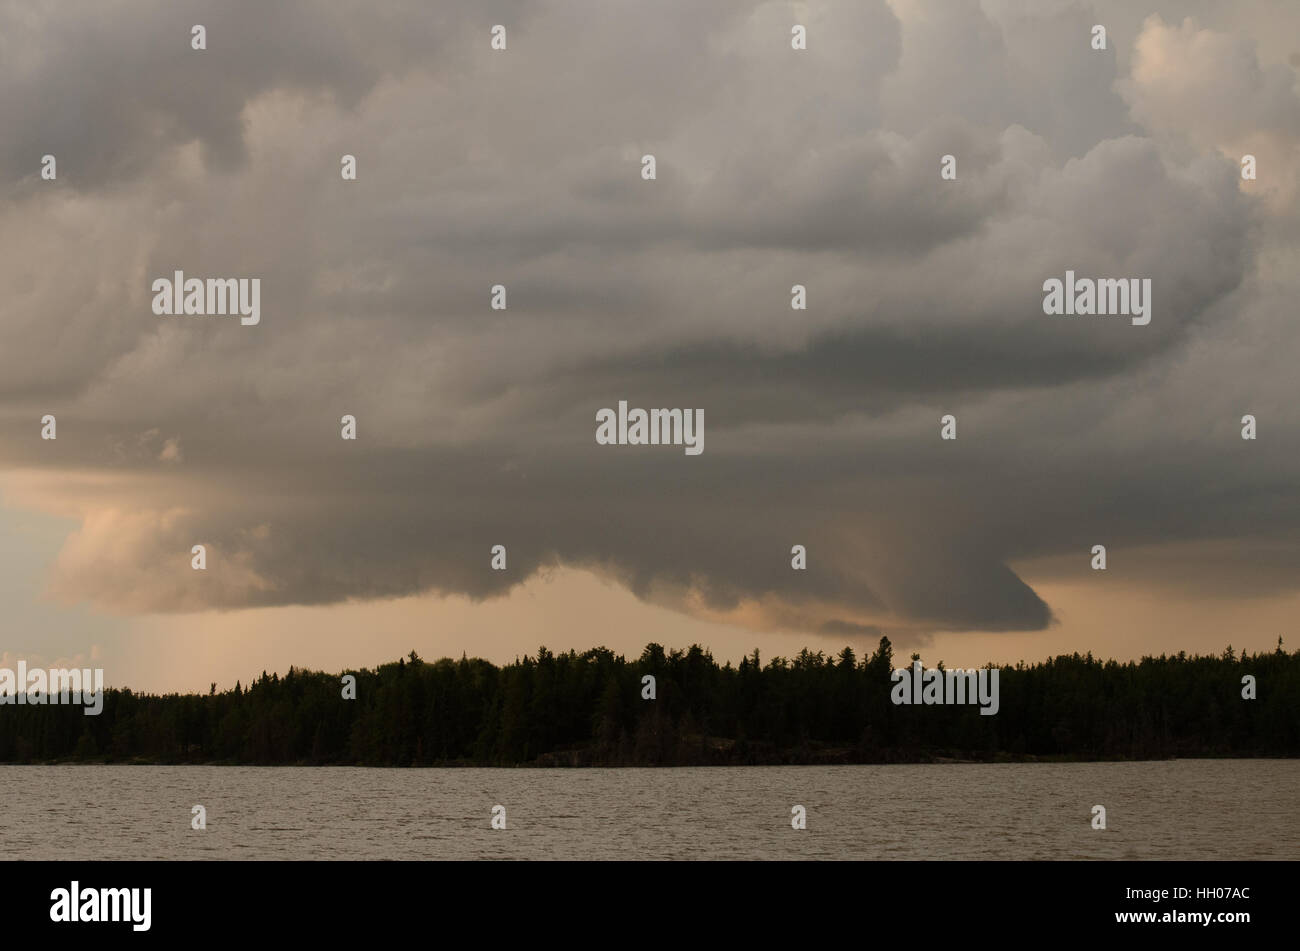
[837,628]
[476,427]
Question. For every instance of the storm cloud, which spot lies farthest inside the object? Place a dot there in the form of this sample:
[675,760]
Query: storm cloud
[775,167]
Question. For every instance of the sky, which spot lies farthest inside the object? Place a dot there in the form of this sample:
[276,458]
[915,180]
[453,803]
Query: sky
[476,427]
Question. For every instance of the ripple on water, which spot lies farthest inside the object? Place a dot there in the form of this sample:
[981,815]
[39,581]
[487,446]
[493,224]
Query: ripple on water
[1167,810]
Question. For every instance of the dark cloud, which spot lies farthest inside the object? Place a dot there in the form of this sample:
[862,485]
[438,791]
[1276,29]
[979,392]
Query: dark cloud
[109,89]
[476,427]
[837,628]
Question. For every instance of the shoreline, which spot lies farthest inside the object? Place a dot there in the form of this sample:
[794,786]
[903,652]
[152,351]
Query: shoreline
[561,767]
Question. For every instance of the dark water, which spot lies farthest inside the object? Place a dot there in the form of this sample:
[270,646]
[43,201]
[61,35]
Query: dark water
[1185,809]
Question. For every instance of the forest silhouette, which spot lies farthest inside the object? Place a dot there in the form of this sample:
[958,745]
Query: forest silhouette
[587,709]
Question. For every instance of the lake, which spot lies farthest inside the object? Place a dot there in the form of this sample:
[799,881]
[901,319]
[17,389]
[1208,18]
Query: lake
[1178,809]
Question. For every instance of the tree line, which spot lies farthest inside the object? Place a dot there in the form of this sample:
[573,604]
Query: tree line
[588,709]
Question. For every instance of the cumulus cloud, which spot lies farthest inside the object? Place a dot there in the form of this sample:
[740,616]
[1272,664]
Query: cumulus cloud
[475,427]
[1210,90]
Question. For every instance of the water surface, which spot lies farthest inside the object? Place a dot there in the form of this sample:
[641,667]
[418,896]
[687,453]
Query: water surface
[1181,809]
